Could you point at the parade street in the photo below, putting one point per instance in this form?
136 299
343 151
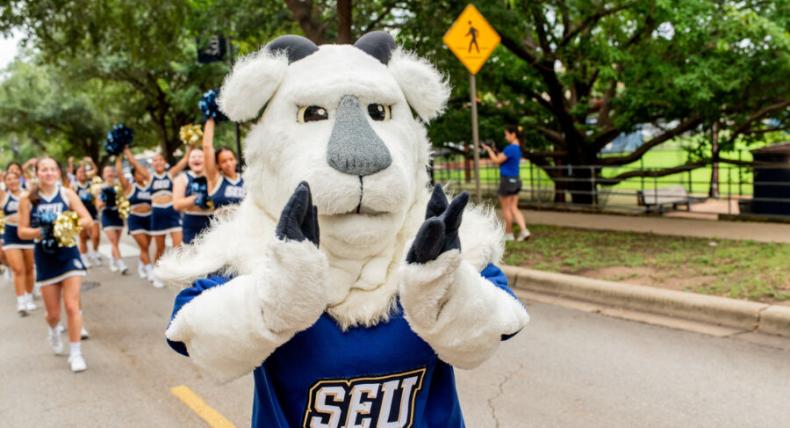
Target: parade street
567 369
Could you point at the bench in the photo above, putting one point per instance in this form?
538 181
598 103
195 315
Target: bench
658 199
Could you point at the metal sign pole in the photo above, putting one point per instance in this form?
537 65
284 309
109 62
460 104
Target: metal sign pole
475 136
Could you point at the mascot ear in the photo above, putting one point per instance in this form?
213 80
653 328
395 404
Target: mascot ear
255 78
425 88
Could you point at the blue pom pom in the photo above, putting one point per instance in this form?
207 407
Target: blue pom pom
208 106
119 137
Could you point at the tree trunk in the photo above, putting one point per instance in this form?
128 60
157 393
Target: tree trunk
344 22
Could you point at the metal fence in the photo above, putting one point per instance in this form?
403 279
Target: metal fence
743 191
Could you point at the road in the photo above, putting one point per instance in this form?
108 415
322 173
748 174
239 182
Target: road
567 369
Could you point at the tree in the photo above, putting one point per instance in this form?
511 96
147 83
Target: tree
578 73
41 112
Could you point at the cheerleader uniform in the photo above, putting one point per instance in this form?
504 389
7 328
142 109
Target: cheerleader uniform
164 218
110 218
62 262
84 192
10 237
139 223
228 192
194 222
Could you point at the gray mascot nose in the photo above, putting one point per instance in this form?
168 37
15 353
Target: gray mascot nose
354 147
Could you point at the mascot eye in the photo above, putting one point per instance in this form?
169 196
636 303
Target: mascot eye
379 112
311 114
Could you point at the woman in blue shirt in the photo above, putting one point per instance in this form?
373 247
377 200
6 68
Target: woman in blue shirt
509 162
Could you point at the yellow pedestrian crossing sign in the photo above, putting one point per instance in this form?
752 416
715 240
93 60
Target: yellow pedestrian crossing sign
471 38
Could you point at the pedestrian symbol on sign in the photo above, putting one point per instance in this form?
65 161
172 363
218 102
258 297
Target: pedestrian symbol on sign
473 32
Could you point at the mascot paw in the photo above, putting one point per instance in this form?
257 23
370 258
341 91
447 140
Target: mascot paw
299 218
439 233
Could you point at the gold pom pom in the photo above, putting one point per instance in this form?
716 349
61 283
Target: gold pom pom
2 222
191 134
122 203
96 185
67 229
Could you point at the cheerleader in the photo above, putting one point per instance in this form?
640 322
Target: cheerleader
226 184
17 169
83 188
58 268
190 197
139 221
18 252
164 218
111 222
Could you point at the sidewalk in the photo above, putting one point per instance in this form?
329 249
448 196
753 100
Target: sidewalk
762 232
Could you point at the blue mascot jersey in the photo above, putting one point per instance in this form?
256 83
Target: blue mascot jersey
381 376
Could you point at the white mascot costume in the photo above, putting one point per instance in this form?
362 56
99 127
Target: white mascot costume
364 329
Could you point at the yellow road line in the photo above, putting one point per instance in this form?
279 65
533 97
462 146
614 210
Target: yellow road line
212 417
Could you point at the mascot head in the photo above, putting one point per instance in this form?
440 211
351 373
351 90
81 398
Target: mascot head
348 119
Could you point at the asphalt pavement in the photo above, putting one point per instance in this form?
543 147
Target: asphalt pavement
566 369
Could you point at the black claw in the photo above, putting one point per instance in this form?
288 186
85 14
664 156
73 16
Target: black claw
299 218
439 233
437 204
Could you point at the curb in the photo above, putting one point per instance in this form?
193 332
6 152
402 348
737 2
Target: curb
740 314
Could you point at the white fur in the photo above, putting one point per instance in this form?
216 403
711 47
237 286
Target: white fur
251 83
455 310
426 90
230 329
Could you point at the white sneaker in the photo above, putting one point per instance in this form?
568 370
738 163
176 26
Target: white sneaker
524 235
56 343
59 329
21 307
29 305
77 363
113 266
141 270
509 237
149 273
122 267
157 283
84 335
95 258
85 261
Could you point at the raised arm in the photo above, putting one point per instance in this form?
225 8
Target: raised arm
88 161
181 202
125 185
209 163
181 164
136 164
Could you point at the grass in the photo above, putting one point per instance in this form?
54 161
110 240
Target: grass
697 181
738 269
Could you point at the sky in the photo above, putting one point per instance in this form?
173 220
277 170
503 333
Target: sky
8 49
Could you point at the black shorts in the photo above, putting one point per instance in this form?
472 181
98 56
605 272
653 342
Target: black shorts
509 186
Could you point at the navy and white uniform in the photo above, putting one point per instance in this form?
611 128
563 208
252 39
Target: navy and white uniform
139 223
228 192
164 218
87 198
194 221
10 237
110 218
64 262
383 375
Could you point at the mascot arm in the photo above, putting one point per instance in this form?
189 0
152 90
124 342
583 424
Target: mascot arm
228 329
462 314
